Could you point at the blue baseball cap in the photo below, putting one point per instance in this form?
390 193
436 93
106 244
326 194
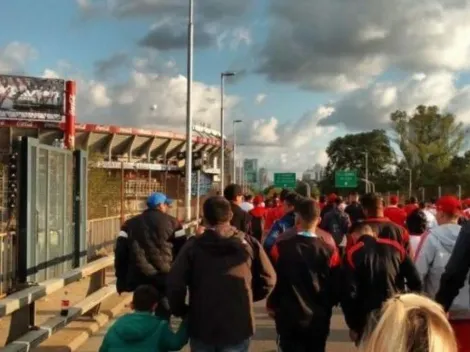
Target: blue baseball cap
155 199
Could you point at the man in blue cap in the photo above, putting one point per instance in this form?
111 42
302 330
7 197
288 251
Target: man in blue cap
145 249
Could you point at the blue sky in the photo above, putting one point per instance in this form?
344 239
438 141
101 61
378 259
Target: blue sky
302 56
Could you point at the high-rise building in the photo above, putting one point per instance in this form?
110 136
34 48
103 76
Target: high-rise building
250 169
263 178
316 173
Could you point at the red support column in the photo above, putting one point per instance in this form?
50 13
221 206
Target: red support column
70 115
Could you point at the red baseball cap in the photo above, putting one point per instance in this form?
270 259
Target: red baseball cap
258 200
449 205
332 198
394 199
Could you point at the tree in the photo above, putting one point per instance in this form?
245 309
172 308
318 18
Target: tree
349 153
428 140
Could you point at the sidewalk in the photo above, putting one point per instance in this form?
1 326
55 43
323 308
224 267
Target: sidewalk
265 337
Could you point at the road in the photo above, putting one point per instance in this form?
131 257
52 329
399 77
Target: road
265 337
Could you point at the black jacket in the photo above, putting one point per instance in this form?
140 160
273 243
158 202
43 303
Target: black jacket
373 271
336 223
241 219
355 212
144 250
326 209
386 229
307 285
225 271
457 268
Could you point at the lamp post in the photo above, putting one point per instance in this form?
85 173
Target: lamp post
410 186
189 116
234 171
222 128
366 154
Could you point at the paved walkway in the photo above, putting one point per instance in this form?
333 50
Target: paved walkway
264 340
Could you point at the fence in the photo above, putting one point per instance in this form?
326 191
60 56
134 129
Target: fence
7 262
101 236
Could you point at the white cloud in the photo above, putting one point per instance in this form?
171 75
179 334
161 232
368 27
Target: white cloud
370 107
129 102
14 56
260 98
212 17
344 45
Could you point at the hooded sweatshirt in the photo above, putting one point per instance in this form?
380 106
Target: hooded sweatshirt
225 270
431 261
142 332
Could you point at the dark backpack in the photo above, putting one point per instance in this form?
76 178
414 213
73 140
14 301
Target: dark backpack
336 223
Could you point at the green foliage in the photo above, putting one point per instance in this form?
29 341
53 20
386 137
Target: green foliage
428 140
349 153
431 145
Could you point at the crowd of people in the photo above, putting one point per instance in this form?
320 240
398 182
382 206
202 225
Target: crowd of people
399 273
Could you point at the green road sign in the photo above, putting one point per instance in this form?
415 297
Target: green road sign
285 180
346 179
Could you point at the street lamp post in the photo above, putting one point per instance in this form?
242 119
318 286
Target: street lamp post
410 186
234 171
222 128
366 154
189 117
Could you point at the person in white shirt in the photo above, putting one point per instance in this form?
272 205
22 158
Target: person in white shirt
435 252
430 217
247 204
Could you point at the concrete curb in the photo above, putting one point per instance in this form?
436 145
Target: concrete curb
79 331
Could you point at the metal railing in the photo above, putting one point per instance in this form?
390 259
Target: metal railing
101 237
141 188
102 233
7 262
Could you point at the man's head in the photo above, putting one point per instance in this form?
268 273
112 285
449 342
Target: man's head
373 205
217 211
417 222
322 199
159 201
359 229
332 198
284 194
353 197
145 299
307 213
289 202
233 193
413 200
338 201
422 205
248 198
448 210
257 201
394 199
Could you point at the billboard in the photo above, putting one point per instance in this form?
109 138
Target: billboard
31 98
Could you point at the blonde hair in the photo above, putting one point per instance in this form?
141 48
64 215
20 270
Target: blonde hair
410 323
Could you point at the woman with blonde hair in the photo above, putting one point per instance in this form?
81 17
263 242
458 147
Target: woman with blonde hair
409 323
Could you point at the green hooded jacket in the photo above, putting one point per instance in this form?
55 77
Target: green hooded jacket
143 332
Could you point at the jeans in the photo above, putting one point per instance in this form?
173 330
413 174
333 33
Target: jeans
199 346
308 340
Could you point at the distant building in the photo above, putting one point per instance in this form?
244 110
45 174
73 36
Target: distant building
250 168
316 173
263 178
